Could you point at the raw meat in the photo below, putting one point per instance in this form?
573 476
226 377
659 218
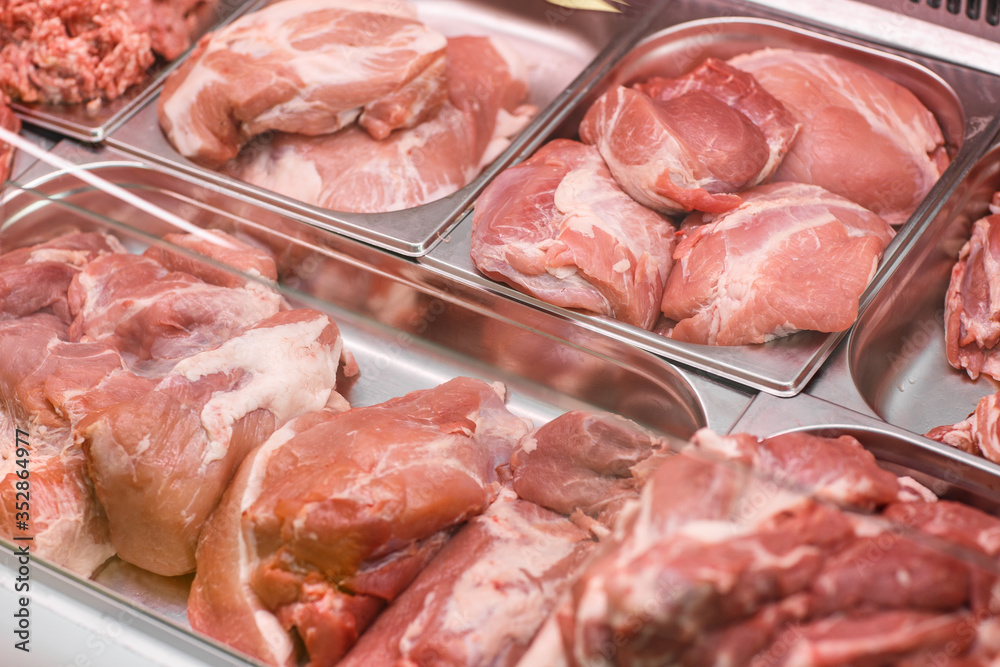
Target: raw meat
971 319
354 172
586 462
155 316
336 513
559 228
791 257
203 418
690 143
863 136
11 122
221 248
483 597
976 434
37 278
75 51
303 66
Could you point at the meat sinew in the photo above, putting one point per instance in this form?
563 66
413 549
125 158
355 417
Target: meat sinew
304 66
690 143
336 513
73 51
791 257
559 227
353 171
863 136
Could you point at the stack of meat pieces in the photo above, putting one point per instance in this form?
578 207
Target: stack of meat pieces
359 109
722 564
88 51
785 230
141 382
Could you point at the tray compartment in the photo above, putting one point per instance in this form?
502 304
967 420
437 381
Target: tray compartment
680 38
564 50
405 327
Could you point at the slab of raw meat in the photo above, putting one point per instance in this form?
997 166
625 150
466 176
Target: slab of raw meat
37 278
584 461
976 434
971 321
352 171
791 257
690 143
481 600
161 460
863 136
558 227
66 521
220 248
155 316
336 513
304 66
76 51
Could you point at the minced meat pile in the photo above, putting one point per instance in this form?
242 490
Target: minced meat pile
86 51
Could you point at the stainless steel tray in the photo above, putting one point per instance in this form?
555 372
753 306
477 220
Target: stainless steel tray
565 50
784 366
407 329
893 364
948 472
74 120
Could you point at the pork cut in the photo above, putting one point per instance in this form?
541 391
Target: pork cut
978 434
791 257
337 512
304 66
558 227
161 460
690 143
863 136
352 171
482 598
9 121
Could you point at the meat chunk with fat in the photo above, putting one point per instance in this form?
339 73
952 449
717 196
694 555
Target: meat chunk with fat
791 257
481 600
863 136
352 171
306 67
203 418
690 143
558 227
9 121
971 321
336 513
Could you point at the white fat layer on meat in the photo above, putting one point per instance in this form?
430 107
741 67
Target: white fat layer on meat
77 258
180 106
506 126
286 172
528 444
526 551
275 358
267 623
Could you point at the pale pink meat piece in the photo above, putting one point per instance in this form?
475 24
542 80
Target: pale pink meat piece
38 367
37 278
584 461
155 316
863 136
971 321
690 143
303 66
558 227
9 121
483 597
335 514
791 257
203 418
224 251
351 171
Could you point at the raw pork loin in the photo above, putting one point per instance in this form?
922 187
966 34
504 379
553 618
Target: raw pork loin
304 66
690 143
972 307
791 257
560 228
863 136
337 512
353 171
